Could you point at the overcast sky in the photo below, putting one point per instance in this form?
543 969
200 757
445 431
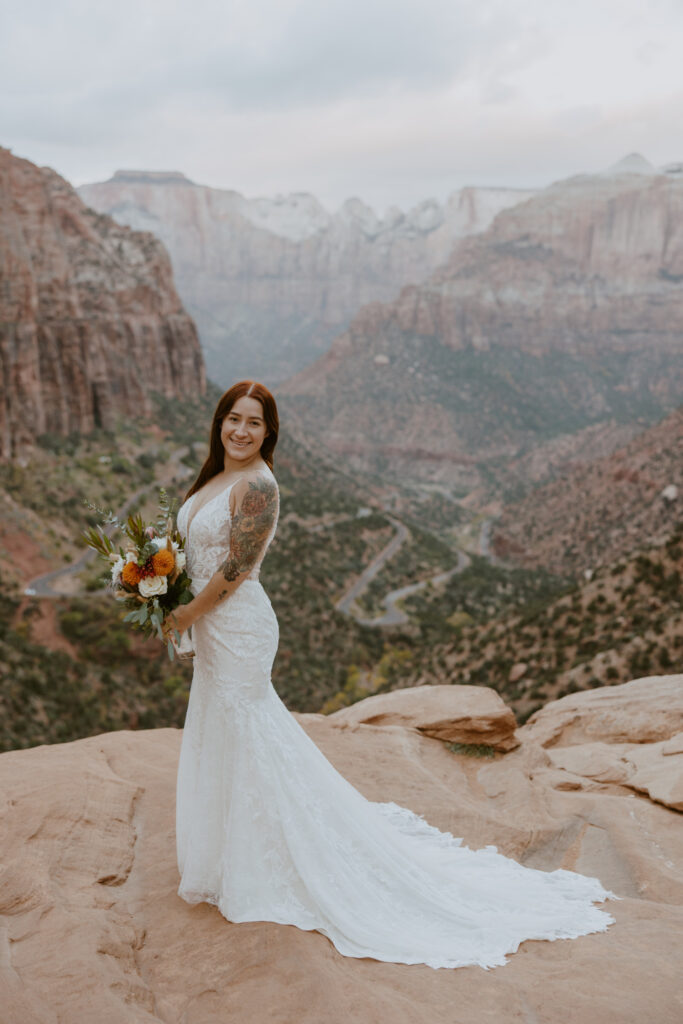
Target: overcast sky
390 100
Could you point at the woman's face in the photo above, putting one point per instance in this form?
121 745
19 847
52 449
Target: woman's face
243 429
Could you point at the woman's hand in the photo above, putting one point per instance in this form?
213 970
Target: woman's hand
181 619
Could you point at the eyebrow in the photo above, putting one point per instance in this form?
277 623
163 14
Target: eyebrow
260 418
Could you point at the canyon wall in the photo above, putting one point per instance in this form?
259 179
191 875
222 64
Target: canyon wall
271 282
90 321
566 312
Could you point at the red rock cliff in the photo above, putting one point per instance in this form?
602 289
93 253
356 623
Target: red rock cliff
90 321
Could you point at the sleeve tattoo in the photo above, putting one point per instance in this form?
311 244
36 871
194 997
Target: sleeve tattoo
251 524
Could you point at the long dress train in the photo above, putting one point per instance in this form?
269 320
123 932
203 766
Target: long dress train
268 830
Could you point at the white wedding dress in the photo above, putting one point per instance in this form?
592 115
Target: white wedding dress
268 830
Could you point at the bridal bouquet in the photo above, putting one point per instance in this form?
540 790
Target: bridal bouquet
148 574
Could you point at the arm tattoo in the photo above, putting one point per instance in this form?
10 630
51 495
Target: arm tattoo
250 527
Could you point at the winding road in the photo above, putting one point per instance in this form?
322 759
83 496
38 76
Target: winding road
393 616
484 541
344 604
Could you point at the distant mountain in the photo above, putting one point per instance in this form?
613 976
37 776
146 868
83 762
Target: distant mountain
565 313
90 321
633 163
271 281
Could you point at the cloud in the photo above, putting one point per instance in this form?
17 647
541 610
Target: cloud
270 53
392 100
323 52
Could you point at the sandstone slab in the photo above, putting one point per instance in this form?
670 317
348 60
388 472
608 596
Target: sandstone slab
658 771
92 929
642 711
459 714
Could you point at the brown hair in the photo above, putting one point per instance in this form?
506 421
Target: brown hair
215 460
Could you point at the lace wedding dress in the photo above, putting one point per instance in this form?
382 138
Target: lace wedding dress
268 830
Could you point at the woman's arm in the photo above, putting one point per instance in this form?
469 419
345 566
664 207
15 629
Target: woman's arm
256 503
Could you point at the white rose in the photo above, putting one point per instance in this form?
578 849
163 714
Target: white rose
161 543
117 569
151 586
180 560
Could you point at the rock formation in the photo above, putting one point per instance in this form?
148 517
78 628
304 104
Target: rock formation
90 321
563 314
459 714
271 281
93 929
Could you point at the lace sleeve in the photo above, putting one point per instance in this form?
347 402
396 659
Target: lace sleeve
255 515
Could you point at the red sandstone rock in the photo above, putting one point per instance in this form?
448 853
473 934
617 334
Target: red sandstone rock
90 321
647 710
93 929
459 714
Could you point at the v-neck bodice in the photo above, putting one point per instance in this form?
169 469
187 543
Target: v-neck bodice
191 502
206 532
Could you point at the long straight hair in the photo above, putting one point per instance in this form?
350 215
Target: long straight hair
215 460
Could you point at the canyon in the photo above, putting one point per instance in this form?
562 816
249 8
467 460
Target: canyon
271 281
564 314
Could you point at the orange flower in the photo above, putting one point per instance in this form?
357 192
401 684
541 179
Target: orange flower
163 562
131 574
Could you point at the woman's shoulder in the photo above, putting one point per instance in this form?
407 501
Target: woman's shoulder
259 473
260 479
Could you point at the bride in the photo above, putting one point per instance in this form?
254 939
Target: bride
266 828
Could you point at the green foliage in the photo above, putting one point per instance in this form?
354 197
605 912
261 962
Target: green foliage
146 460
472 749
479 593
98 540
569 636
58 444
98 636
187 420
47 696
